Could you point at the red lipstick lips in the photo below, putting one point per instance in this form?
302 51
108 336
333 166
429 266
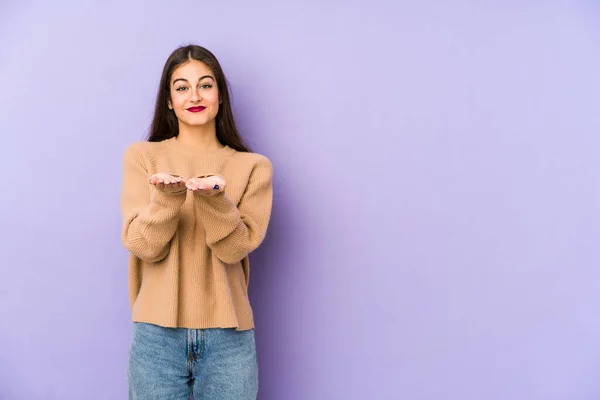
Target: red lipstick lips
196 109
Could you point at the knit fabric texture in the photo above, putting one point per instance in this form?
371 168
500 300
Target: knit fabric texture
188 263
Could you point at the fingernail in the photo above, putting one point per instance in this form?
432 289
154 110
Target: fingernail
216 187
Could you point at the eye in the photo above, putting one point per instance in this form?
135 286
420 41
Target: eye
181 88
206 86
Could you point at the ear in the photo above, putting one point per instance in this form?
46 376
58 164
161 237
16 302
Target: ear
169 104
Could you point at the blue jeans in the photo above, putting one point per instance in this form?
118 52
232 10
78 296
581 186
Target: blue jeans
173 363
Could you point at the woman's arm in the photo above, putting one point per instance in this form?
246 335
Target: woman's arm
150 216
234 232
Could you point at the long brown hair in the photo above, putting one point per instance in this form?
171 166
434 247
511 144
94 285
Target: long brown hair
164 123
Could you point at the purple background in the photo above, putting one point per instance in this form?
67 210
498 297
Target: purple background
437 213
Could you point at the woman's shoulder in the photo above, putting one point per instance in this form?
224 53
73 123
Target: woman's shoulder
252 159
143 149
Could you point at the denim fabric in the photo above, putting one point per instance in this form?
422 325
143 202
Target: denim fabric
173 363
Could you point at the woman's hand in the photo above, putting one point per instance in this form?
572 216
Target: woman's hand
168 183
208 186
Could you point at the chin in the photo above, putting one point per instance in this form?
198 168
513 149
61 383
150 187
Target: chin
198 121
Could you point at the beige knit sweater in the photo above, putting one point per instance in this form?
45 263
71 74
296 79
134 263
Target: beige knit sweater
188 265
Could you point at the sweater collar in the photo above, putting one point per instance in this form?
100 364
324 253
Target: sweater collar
177 146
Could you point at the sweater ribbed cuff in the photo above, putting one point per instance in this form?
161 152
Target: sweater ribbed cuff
168 199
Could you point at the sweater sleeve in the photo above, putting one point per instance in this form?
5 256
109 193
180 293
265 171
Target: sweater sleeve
234 232
150 217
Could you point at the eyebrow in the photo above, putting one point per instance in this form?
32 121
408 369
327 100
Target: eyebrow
185 80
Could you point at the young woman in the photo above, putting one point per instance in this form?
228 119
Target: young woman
195 202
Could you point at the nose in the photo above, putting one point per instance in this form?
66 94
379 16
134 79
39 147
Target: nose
195 96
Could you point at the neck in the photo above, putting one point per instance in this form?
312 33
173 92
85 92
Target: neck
203 136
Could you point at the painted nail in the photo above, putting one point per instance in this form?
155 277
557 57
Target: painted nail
216 187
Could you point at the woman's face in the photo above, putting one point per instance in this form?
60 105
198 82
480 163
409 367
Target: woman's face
194 94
